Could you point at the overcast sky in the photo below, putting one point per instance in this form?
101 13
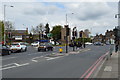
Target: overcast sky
95 16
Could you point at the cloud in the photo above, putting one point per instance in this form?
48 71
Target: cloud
96 15
88 11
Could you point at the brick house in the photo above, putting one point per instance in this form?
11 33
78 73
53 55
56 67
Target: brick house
17 35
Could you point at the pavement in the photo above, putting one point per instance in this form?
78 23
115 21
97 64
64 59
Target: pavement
109 68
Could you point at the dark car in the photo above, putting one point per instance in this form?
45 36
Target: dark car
4 50
98 44
45 47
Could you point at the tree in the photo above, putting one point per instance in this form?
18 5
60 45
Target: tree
40 29
9 26
56 31
1 31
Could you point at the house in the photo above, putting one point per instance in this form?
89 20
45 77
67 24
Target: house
17 35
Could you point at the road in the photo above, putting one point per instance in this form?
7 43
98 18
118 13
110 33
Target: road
33 64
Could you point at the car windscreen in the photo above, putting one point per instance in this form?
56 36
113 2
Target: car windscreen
4 47
42 44
14 44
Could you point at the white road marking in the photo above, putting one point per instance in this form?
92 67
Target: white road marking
108 68
16 65
23 64
52 58
7 67
34 60
36 57
8 64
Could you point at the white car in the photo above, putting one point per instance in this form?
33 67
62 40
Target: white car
88 43
18 47
35 44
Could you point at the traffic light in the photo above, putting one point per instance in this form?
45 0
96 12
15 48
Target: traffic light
9 34
73 33
76 33
68 31
80 34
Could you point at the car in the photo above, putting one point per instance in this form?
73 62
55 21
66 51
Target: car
88 43
4 50
98 44
20 46
45 47
35 44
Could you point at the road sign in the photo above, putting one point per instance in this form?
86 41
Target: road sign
49 35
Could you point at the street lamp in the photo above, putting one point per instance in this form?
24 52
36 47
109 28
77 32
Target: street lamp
117 30
66 18
4 23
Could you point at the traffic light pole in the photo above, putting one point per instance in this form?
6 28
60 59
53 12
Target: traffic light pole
119 25
66 44
66 41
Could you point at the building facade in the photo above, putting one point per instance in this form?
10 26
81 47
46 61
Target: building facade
17 35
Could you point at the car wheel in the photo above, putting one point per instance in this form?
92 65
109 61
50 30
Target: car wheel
25 49
45 49
2 54
48 49
51 49
39 50
9 52
21 50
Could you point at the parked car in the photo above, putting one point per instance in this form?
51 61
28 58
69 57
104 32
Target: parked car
98 44
18 47
45 47
4 50
35 44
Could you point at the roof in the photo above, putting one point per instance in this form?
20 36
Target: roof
18 31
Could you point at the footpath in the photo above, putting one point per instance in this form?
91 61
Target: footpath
109 68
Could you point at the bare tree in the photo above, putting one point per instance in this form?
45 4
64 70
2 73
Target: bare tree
9 26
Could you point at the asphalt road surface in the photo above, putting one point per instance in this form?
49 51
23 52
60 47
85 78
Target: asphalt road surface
34 64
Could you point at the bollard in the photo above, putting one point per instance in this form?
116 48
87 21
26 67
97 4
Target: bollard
60 49
110 53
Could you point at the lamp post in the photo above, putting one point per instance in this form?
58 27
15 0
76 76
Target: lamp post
5 23
25 33
117 30
67 32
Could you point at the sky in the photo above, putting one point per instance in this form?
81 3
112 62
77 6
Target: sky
95 16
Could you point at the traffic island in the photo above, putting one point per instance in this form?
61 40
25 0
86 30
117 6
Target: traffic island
55 55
